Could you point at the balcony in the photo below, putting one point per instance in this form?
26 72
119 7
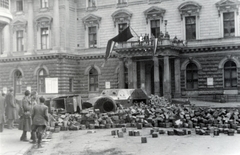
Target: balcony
5 14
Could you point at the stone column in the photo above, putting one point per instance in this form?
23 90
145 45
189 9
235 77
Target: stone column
6 40
56 25
156 76
67 21
121 81
30 33
1 40
177 71
134 68
130 73
142 75
167 79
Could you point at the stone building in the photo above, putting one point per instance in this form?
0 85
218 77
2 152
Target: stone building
57 47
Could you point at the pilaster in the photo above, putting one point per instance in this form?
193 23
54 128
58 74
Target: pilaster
167 79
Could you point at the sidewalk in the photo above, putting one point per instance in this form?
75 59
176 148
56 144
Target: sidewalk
214 104
10 143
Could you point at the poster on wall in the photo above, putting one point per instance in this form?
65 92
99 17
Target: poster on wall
5 90
210 81
107 85
51 85
29 88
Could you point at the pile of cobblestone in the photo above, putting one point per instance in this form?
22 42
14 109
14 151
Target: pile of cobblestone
159 113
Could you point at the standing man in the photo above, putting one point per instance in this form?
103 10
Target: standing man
26 117
2 111
11 110
40 120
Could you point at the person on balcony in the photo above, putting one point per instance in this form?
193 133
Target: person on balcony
11 108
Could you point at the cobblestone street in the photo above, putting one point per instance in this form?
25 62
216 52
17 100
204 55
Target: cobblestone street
103 143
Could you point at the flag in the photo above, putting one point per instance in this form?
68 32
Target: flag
121 37
155 45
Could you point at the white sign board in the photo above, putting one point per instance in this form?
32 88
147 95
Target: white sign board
5 90
107 85
210 81
29 88
51 85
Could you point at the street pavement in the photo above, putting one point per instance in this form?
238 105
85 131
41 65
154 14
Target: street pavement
10 143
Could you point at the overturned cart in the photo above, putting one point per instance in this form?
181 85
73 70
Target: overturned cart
110 99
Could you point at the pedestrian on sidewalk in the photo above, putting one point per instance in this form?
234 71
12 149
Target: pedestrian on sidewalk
11 108
2 111
26 118
40 120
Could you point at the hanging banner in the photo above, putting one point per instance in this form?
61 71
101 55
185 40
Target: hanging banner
51 85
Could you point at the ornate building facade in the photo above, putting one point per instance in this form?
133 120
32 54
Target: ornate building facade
197 52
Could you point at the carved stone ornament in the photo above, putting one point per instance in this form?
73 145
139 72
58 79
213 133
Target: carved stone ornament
91 20
19 25
189 8
43 21
154 13
121 16
227 5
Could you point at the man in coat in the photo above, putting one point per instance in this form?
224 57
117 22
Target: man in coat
40 120
26 118
2 111
11 108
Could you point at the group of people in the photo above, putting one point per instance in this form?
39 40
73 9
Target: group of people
32 114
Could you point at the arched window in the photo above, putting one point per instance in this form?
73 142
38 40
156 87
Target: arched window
18 82
93 80
42 74
192 76
230 74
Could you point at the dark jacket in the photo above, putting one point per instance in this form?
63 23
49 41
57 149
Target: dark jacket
40 114
11 110
2 109
26 118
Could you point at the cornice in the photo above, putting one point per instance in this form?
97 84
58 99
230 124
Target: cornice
52 56
212 48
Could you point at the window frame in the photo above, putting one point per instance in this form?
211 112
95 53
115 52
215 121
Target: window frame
96 80
44 37
231 68
44 4
21 39
192 80
19 6
18 82
95 45
71 84
236 33
186 26
150 27
41 80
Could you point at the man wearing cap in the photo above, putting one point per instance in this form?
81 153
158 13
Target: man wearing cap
11 110
40 120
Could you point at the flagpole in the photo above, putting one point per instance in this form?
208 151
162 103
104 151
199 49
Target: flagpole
134 31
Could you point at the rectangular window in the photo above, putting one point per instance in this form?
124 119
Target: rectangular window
190 23
44 3
70 84
92 35
44 38
228 24
121 27
122 1
155 28
19 5
19 39
91 3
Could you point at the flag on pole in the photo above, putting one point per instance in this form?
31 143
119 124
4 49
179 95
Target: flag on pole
121 37
155 45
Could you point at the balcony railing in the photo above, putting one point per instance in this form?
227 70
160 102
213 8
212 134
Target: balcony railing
4 4
150 43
